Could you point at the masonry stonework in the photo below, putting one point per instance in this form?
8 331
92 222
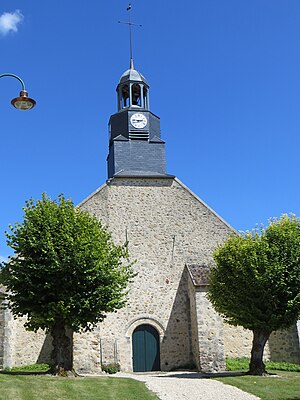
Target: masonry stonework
166 226
2 330
284 345
168 229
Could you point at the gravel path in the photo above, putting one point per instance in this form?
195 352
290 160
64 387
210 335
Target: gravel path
188 386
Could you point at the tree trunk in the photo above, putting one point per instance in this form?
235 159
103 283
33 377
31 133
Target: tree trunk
257 366
62 353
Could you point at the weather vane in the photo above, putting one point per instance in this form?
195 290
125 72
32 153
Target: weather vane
130 24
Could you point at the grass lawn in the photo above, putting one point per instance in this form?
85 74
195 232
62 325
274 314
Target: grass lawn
29 387
282 386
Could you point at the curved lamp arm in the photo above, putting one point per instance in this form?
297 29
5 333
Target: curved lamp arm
23 102
15 76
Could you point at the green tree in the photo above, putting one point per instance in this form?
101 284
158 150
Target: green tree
256 282
66 273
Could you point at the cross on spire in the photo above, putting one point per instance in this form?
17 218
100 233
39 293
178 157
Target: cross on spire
130 24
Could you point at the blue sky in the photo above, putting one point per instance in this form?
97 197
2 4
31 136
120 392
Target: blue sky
224 78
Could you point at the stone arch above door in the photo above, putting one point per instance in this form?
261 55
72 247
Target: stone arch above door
137 322
144 320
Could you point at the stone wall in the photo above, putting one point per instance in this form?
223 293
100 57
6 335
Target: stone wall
237 341
283 345
86 351
167 226
210 334
22 347
194 325
18 346
8 344
2 331
29 347
207 328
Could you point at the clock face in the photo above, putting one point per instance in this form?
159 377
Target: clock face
138 120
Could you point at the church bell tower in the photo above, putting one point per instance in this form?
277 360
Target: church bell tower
135 145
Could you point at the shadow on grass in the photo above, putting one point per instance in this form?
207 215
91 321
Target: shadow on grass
199 375
202 375
24 373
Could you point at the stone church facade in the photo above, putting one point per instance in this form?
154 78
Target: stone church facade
169 231
168 322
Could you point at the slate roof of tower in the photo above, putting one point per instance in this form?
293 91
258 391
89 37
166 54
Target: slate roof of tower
133 75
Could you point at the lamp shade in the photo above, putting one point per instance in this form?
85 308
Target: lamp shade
23 102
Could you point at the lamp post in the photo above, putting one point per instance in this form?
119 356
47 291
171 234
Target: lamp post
23 102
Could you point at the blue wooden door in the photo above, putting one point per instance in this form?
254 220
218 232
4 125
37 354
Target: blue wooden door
145 349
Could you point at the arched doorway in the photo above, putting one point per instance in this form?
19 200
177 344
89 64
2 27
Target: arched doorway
145 349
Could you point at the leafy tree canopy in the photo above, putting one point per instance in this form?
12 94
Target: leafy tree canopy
256 281
65 266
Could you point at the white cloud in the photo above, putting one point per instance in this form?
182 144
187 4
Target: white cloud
9 22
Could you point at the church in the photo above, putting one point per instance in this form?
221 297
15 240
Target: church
170 233
168 322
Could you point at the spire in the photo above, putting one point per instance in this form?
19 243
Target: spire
130 24
130 36
135 145
131 66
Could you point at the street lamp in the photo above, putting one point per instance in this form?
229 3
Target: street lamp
23 102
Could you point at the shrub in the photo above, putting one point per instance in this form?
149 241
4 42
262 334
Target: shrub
111 368
237 364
